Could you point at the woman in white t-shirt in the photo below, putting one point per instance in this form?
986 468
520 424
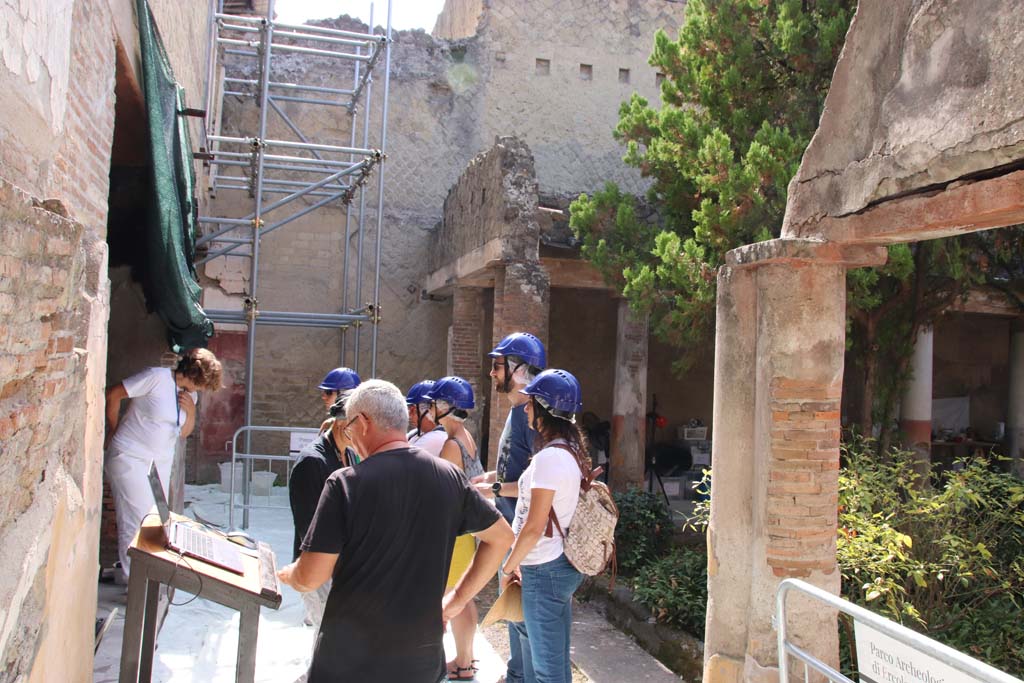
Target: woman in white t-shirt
161 410
550 485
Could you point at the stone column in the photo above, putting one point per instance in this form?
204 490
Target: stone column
629 402
779 349
1015 407
465 355
916 406
521 304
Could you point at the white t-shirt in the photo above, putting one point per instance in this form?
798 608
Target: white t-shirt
432 442
151 424
556 470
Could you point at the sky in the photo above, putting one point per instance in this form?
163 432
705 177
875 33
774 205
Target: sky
405 14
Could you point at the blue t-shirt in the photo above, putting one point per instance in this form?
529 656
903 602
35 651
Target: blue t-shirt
515 445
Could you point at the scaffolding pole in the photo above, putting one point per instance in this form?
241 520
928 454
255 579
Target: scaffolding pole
303 174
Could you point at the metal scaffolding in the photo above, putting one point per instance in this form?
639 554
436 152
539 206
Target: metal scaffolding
293 177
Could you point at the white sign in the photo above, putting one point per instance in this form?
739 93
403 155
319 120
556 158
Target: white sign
299 440
881 659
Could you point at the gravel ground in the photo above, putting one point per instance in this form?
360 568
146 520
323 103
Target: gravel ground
497 634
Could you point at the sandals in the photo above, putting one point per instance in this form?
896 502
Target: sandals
460 672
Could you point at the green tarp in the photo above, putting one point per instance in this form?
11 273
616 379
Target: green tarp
169 278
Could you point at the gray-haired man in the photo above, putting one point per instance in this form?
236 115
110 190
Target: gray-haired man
385 519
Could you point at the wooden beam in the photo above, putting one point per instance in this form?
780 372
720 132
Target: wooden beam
969 206
574 273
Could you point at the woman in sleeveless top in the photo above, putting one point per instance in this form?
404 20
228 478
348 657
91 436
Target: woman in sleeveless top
451 398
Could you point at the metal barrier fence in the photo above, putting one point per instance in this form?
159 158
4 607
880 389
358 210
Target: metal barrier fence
248 461
893 653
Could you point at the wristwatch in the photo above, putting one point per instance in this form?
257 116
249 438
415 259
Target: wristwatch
496 488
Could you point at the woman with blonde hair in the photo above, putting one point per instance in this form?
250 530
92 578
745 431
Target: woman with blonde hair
161 410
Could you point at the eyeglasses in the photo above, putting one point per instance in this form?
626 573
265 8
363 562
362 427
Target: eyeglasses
328 392
499 364
349 424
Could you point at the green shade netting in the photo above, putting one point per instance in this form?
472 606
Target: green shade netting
169 279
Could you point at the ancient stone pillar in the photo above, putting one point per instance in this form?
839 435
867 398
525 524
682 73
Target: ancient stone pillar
629 402
521 304
1015 407
916 406
779 349
465 352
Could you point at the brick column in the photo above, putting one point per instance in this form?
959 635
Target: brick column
629 402
775 459
521 304
465 352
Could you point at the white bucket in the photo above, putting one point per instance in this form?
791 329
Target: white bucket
262 482
225 477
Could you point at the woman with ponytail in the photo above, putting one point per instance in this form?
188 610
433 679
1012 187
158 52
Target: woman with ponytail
548 488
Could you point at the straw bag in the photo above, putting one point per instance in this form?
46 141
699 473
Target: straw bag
589 542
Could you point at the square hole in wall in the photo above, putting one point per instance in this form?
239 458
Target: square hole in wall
586 72
542 67
623 75
659 78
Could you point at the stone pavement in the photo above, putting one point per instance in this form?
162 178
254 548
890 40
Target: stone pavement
607 655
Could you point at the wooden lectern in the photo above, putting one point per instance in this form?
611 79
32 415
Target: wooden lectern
153 565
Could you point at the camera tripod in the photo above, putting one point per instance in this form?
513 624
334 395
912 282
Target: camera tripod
651 457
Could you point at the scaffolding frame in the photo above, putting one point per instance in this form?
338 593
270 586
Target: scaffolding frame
301 175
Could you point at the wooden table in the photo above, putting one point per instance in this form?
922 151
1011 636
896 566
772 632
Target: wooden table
152 565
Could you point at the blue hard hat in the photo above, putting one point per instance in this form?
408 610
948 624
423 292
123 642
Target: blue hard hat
418 392
340 379
525 346
453 390
557 390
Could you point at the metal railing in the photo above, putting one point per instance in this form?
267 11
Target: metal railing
962 666
248 461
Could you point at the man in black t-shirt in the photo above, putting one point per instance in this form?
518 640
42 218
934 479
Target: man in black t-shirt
384 530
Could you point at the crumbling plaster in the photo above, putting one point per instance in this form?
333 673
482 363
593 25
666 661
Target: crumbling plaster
449 99
924 93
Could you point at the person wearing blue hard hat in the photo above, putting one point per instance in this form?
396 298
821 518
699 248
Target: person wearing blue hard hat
337 382
549 487
451 399
423 432
515 361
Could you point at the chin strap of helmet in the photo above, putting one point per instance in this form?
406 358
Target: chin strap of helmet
419 419
437 420
506 386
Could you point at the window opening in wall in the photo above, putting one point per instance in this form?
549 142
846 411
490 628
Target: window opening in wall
659 78
543 67
623 75
483 196
586 72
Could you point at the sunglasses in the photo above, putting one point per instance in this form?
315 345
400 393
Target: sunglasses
328 392
499 365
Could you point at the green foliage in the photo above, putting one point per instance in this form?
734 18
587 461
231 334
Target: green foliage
744 84
946 560
675 589
644 530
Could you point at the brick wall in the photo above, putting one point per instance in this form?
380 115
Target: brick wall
466 352
803 477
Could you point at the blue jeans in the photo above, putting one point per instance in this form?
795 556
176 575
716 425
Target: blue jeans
514 668
547 613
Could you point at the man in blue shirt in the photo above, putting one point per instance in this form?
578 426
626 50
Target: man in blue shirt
515 361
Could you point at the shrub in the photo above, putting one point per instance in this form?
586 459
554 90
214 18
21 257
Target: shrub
944 558
644 530
675 589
